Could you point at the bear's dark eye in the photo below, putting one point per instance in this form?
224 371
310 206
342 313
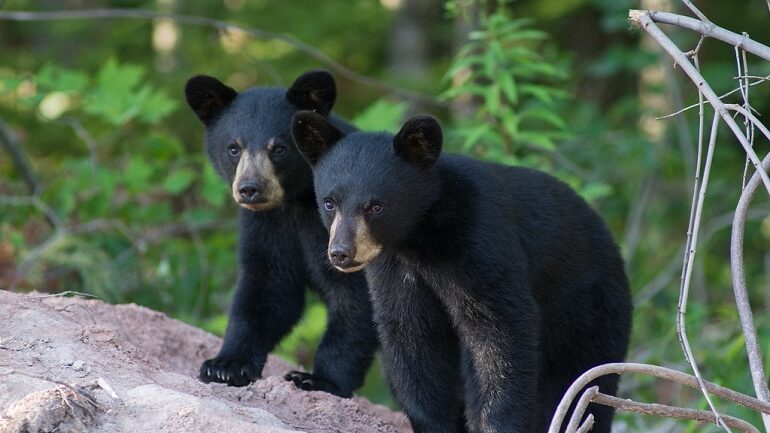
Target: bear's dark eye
375 208
279 150
328 204
233 150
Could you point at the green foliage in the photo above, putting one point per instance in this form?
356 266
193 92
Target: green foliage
144 218
501 69
517 96
382 115
128 183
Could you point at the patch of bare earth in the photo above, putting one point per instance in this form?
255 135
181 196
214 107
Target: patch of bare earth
75 365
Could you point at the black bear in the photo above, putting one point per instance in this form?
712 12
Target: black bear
493 287
282 242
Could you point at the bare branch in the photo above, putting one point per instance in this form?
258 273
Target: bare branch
760 80
743 86
672 411
753 119
651 370
85 136
739 278
587 424
709 29
79 392
224 26
689 258
696 11
64 294
580 409
20 161
35 202
643 19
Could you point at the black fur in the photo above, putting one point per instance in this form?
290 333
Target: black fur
496 286
208 97
282 251
313 90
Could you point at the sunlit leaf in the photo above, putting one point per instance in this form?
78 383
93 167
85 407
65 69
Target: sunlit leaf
179 180
381 116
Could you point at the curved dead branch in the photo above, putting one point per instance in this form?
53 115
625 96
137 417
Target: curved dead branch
739 285
651 370
672 411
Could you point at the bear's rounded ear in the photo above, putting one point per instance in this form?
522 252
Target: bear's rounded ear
313 134
419 141
208 97
313 90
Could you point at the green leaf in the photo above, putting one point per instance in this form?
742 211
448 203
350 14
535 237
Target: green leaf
595 190
462 64
136 175
492 99
511 123
120 78
508 86
213 189
52 78
537 140
543 93
161 147
200 215
473 135
119 97
527 35
548 116
381 116
178 181
490 64
465 89
156 106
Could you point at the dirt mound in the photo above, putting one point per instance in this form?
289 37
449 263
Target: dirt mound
73 365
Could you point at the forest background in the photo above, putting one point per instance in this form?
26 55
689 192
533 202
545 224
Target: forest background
105 189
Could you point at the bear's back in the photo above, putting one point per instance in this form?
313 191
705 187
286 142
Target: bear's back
521 207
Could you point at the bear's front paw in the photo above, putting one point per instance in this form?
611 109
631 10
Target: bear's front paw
310 382
230 370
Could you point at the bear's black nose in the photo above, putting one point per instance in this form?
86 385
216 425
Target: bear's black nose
249 191
341 255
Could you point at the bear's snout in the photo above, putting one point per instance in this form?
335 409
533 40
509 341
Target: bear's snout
250 192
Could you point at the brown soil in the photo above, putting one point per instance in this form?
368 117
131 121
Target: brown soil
74 365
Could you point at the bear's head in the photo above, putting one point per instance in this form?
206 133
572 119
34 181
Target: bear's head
247 135
373 189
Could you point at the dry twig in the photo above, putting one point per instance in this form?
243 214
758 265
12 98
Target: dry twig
739 279
580 409
79 392
20 161
672 411
709 29
651 370
689 259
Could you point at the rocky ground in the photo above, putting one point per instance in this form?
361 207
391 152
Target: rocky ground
76 365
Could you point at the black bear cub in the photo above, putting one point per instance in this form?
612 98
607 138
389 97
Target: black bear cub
493 287
282 242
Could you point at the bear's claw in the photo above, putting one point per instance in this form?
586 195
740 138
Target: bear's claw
231 371
311 382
